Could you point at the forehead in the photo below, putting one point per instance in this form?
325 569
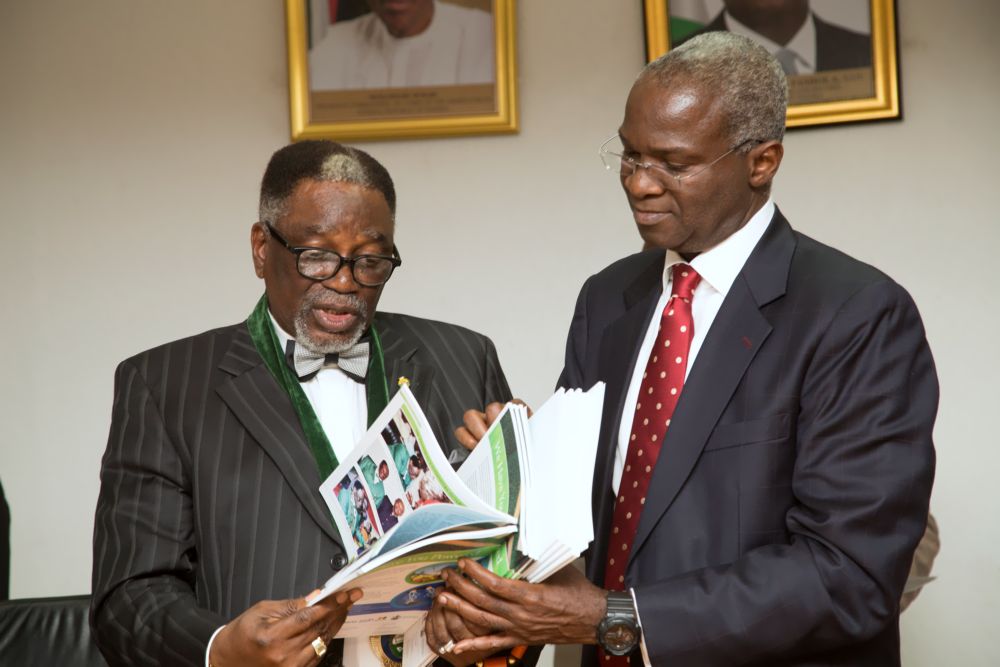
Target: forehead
681 115
332 207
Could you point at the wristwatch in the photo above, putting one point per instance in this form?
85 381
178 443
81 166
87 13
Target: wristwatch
618 633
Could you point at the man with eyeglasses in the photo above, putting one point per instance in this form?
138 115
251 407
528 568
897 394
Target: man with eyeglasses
766 457
210 526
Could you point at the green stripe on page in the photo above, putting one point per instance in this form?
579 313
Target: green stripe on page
500 563
501 487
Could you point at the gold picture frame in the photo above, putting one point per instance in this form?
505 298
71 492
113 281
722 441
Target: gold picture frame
880 100
402 112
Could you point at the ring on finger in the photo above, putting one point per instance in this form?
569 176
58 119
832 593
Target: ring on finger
446 648
319 646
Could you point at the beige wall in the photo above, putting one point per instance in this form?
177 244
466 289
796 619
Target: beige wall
134 133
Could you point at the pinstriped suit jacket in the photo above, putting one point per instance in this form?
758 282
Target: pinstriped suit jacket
209 495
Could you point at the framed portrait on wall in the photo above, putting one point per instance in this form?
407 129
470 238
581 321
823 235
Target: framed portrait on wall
390 69
840 55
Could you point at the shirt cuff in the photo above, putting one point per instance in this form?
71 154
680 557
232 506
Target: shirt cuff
208 649
642 635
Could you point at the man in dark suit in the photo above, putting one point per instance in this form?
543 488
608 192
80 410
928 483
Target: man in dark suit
765 461
803 42
210 525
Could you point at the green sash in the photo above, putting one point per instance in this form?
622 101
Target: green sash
376 386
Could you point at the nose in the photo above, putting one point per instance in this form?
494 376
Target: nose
342 281
642 182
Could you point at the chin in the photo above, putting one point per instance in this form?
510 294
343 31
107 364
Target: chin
668 239
325 341
654 238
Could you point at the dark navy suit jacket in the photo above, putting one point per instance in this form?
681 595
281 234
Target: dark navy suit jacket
794 481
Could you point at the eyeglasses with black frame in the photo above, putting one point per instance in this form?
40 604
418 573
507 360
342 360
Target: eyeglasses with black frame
322 264
625 166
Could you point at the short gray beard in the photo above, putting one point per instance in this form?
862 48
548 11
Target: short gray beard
331 342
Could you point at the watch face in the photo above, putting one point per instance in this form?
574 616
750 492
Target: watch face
619 637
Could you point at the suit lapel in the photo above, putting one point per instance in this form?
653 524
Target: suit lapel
736 335
399 352
264 409
619 351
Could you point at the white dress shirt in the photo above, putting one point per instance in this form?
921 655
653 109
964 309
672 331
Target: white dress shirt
341 405
718 268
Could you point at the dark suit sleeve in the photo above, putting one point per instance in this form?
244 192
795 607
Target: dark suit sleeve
840 48
861 481
496 389
572 376
143 609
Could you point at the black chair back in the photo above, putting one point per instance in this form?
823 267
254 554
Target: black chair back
47 631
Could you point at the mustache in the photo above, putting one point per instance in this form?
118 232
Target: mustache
350 303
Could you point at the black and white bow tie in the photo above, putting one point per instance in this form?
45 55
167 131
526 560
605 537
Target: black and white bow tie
306 363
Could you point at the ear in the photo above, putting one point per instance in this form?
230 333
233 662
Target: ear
258 247
765 159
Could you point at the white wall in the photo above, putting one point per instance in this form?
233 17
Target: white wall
133 137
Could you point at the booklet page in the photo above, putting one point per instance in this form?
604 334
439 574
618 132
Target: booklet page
397 468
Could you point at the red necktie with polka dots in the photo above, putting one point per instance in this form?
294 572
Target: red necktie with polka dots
661 386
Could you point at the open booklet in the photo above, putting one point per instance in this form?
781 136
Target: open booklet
519 504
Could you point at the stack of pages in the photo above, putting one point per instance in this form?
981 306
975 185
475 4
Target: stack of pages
520 504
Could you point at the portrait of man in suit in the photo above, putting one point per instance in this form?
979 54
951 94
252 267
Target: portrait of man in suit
210 528
765 460
404 43
802 41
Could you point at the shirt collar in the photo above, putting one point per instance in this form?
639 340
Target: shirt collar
719 266
283 336
803 44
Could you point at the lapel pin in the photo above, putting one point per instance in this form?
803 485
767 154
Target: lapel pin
402 380
747 343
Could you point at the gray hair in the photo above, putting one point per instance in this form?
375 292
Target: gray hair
322 161
748 81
